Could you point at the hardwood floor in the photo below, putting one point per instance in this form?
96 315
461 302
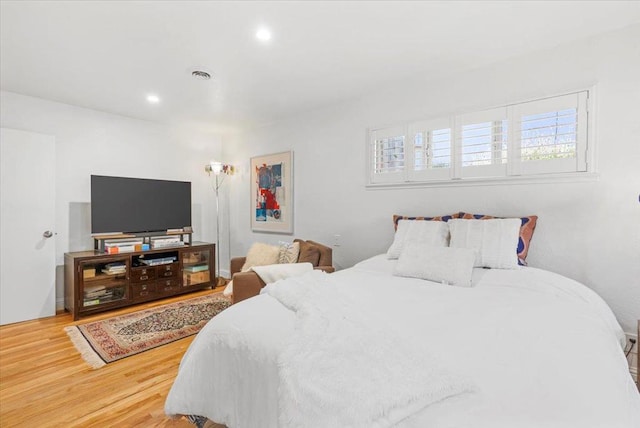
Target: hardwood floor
45 383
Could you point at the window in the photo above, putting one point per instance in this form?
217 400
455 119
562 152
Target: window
388 155
546 136
482 143
551 135
431 154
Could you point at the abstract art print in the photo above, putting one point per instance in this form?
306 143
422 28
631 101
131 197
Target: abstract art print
272 193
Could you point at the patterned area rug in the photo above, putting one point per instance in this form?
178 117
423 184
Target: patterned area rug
112 339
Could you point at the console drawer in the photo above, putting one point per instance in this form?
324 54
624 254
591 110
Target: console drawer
143 290
143 274
167 271
168 286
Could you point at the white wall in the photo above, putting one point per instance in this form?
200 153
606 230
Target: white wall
92 142
589 231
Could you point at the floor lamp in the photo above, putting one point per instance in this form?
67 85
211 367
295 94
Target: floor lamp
220 171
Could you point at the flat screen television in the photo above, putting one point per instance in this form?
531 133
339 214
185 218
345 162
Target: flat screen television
138 205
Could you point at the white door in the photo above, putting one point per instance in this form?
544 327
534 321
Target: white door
27 258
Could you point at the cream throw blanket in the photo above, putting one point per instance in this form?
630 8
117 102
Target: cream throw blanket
273 273
344 367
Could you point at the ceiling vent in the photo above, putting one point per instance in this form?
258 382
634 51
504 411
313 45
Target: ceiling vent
201 75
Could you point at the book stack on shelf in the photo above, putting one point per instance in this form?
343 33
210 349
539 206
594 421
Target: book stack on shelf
104 291
117 246
166 242
94 295
115 268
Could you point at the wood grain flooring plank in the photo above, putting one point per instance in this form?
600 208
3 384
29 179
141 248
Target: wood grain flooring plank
45 383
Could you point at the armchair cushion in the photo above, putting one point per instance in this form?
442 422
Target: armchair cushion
309 253
326 254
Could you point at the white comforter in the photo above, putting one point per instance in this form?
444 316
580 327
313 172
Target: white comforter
542 351
340 348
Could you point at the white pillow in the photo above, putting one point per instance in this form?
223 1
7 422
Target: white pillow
261 255
495 240
426 232
440 264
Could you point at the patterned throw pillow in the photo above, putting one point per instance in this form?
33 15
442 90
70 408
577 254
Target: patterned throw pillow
397 218
289 252
526 232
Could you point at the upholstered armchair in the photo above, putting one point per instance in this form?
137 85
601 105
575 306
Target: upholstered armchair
249 284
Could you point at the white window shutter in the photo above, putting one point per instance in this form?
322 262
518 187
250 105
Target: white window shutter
551 135
430 145
482 143
387 155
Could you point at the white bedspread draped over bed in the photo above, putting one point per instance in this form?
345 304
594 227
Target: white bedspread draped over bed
539 350
340 350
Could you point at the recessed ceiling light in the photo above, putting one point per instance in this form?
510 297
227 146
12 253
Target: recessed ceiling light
263 34
153 99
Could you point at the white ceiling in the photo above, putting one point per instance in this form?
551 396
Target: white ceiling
109 55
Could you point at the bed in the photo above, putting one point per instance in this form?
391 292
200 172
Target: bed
519 347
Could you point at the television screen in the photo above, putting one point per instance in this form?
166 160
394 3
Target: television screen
135 205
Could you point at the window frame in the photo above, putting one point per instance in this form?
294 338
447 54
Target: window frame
578 168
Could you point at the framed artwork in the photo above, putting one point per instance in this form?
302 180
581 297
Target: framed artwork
272 193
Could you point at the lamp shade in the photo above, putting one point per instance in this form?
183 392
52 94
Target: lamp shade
218 168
